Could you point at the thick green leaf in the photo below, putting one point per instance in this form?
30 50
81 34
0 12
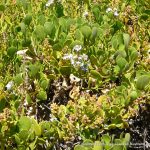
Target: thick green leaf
24 123
121 47
42 95
57 47
134 54
28 19
126 38
118 147
44 84
127 138
115 111
114 43
59 10
11 51
94 60
88 143
28 98
65 70
111 126
41 19
106 138
94 33
39 32
18 79
121 62
86 31
34 69
98 145
121 53
142 82
17 139
78 35
26 42
133 95
36 127
2 7
120 39
68 40
23 27
23 134
96 12
7 19
144 17
63 24
80 147
49 27
96 75
33 144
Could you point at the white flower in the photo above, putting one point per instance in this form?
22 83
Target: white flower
80 58
85 57
68 56
78 63
9 85
77 48
82 64
116 13
30 110
85 14
108 10
49 3
72 62
84 67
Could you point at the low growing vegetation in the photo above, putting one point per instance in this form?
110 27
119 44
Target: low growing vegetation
71 71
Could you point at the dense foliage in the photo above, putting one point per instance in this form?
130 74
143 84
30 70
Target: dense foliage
71 69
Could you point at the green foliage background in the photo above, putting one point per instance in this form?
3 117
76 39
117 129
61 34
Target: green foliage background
34 38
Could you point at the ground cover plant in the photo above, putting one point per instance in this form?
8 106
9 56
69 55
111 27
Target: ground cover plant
73 72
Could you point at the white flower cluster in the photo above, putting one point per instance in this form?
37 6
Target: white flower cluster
85 14
77 60
77 48
108 10
68 57
115 11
